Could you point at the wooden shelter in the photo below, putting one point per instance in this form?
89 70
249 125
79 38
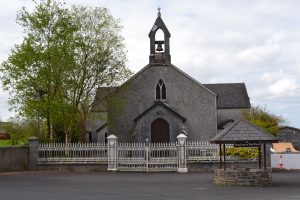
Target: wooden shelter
243 134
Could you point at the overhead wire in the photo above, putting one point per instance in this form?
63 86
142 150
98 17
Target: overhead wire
278 94
278 98
287 102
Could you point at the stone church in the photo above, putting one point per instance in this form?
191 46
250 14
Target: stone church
161 101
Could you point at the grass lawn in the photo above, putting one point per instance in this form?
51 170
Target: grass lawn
5 143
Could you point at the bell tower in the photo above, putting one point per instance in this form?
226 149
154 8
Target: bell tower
159 47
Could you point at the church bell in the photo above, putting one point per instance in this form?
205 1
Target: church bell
159 47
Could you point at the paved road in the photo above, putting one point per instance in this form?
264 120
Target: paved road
158 186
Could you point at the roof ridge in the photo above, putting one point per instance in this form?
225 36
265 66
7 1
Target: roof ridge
223 83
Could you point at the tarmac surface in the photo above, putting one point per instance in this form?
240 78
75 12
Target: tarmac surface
138 186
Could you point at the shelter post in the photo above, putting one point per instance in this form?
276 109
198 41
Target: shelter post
259 156
224 156
265 157
220 156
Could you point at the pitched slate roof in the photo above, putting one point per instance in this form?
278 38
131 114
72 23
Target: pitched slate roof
164 105
242 131
289 127
101 127
230 95
101 93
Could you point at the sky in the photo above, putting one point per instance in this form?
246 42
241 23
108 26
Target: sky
214 41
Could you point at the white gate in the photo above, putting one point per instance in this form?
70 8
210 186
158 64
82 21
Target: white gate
147 157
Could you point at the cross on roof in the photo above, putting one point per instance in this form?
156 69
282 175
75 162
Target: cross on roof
158 12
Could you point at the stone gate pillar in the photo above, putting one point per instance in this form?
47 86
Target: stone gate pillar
112 152
33 152
181 152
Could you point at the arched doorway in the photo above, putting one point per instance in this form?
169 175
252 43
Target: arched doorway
160 131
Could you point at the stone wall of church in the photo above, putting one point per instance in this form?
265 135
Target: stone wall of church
184 95
227 114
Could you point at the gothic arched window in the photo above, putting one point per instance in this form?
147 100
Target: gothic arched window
161 91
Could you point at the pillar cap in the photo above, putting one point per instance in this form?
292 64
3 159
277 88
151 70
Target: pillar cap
181 136
33 138
112 137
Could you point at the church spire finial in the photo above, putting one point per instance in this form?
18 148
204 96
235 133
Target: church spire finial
158 12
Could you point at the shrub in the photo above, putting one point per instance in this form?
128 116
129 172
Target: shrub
242 152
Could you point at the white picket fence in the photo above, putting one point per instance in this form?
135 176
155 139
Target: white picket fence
127 152
76 153
130 156
198 151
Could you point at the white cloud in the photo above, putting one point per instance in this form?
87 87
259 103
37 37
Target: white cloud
282 85
258 53
272 76
277 82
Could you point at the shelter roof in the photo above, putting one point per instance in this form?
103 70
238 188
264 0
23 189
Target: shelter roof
241 132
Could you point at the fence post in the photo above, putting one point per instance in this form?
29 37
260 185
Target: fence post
33 153
181 152
112 153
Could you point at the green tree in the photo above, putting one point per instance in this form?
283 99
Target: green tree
41 62
100 58
65 55
262 118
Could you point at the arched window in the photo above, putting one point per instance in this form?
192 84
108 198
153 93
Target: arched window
161 91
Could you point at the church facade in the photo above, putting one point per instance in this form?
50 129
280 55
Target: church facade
161 101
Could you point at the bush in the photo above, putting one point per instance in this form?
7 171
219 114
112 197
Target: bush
242 152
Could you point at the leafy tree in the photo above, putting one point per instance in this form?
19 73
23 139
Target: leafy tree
262 118
100 58
65 55
40 64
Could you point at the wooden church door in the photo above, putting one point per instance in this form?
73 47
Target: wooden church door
160 131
